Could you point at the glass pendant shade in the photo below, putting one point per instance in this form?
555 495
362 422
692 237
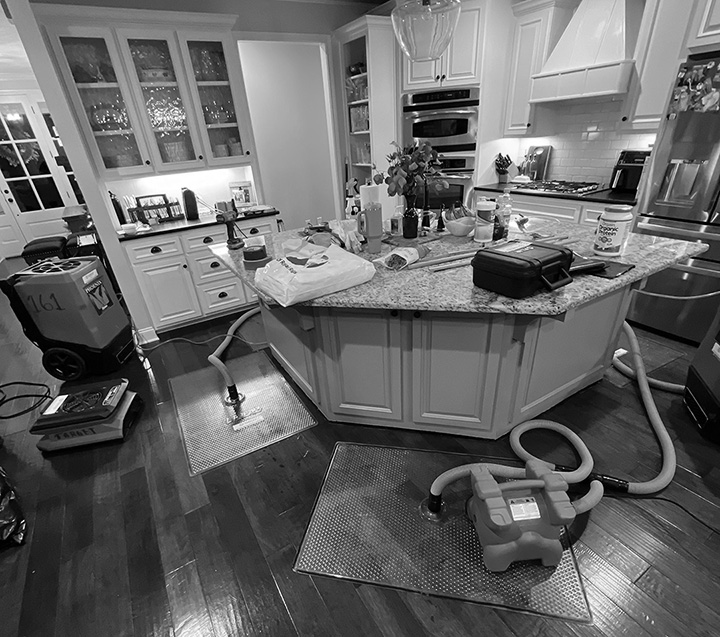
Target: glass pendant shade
424 28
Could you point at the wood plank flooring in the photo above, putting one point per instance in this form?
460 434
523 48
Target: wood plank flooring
123 541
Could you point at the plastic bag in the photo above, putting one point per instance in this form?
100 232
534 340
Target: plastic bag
308 271
400 258
12 520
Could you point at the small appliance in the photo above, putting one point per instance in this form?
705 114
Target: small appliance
69 310
628 170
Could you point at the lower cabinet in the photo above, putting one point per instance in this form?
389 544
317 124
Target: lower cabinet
182 280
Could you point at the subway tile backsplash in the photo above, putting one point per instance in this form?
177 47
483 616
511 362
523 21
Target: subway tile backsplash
588 140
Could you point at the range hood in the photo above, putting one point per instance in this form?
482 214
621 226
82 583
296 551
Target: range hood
594 56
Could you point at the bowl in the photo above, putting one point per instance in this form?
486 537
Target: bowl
460 227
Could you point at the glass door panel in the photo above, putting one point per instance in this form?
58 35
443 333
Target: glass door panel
216 101
162 99
105 107
61 157
23 165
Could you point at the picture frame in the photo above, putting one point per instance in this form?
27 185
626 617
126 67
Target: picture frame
243 194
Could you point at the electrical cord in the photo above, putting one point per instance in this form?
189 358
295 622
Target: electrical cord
187 340
5 399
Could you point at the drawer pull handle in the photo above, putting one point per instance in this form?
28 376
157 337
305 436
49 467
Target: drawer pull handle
254 231
222 295
208 240
394 312
156 250
214 264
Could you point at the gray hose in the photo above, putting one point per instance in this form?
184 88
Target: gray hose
214 358
628 371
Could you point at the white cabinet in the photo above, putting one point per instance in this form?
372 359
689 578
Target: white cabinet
365 50
547 207
659 51
363 363
168 290
538 25
459 65
150 100
182 280
704 34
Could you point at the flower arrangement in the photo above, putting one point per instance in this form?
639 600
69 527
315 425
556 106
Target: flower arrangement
410 169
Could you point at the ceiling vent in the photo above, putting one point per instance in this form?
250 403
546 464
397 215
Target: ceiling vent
594 56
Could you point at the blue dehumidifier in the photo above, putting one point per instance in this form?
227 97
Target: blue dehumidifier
68 308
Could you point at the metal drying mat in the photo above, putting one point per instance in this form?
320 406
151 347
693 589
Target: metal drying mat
212 432
367 526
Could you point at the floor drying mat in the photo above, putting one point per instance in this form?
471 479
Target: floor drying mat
367 526
211 431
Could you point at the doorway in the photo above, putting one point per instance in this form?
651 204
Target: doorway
288 91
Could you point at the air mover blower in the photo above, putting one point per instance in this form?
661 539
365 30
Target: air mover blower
68 309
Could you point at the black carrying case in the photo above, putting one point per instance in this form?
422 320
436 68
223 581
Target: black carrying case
520 268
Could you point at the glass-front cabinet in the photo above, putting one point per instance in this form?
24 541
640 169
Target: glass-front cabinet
158 84
94 67
209 77
155 100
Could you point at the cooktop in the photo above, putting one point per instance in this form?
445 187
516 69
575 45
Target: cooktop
568 187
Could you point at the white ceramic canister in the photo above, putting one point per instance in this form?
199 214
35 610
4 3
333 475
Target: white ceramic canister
613 230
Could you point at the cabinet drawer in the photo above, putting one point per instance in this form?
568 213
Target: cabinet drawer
261 226
206 267
155 248
200 239
216 296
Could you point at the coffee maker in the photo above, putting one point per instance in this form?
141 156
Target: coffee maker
628 170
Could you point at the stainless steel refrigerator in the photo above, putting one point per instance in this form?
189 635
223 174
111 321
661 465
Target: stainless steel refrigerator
680 199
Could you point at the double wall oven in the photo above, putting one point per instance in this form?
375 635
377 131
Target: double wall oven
448 120
681 199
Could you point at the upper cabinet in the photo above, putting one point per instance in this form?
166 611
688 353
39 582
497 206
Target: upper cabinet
459 65
365 51
538 25
152 100
659 51
704 32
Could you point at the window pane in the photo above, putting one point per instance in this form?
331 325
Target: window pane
208 61
3 133
24 195
48 192
89 60
16 121
76 189
10 164
33 158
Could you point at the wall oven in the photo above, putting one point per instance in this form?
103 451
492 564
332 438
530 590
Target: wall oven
448 120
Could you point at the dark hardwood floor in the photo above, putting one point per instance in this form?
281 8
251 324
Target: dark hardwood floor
123 541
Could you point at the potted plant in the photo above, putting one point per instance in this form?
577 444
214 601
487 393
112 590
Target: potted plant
410 169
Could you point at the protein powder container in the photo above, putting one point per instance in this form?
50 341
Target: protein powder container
613 230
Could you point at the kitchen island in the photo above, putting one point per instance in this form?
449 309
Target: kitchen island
429 350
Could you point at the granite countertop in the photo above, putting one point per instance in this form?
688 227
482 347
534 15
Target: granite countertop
453 290
605 196
185 224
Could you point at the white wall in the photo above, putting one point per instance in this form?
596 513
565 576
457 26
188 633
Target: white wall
288 101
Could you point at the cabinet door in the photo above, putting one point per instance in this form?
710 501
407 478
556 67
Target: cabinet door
364 359
90 65
461 61
157 78
220 107
419 75
660 49
530 33
168 291
705 30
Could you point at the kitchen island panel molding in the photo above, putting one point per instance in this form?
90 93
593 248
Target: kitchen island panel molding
704 32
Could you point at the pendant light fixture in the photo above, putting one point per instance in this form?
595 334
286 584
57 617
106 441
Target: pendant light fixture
424 28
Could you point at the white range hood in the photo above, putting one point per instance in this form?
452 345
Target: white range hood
594 56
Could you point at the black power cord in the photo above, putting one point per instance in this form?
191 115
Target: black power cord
5 399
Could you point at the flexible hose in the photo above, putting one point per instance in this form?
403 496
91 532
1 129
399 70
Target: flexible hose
214 358
628 371
595 493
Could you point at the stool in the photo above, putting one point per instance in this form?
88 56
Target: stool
44 248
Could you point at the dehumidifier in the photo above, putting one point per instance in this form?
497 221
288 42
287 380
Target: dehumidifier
67 307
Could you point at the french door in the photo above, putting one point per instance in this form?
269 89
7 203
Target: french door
34 188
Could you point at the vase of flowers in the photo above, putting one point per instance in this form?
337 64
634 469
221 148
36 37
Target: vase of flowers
412 170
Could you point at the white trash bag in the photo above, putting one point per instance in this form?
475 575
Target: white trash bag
308 271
